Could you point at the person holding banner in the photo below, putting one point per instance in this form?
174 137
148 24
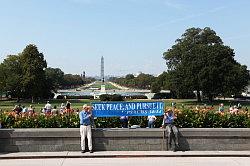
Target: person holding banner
124 121
90 109
168 122
85 128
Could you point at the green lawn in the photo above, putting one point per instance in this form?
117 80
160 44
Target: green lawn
193 103
38 105
108 86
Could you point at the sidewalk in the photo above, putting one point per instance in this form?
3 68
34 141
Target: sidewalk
122 154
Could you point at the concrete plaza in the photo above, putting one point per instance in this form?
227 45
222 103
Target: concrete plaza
125 158
159 161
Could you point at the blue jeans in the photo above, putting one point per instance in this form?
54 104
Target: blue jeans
151 124
124 123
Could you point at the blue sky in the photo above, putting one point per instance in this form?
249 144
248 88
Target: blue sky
130 34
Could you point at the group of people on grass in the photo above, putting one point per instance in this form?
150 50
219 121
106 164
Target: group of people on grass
65 108
18 109
47 109
232 109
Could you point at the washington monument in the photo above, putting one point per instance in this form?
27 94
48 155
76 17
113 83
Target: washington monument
102 69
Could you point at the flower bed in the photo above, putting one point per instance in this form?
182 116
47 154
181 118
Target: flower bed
186 118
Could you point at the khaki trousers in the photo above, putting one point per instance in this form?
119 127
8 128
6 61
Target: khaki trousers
172 129
85 131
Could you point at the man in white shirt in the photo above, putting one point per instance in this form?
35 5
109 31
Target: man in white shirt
151 121
85 127
48 107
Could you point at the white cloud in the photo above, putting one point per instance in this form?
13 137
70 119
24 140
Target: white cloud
189 17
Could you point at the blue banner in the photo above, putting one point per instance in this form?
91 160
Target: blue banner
111 109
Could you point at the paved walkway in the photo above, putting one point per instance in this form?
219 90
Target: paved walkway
122 154
150 161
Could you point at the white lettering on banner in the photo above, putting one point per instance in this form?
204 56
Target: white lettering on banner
109 106
133 106
98 106
128 108
154 105
115 107
129 112
138 105
103 108
120 107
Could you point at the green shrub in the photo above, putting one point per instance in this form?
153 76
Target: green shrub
138 97
74 97
107 97
185 119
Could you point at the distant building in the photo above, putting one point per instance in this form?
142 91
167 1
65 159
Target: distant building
137 74
83 75
247 92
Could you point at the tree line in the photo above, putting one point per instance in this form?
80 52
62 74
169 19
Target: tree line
142 81
26 75
197 62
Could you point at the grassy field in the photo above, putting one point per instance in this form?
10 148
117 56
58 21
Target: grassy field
108 86
180 103
38 105
215 103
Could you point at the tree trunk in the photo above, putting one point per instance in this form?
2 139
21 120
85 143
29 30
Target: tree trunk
198 96
210 98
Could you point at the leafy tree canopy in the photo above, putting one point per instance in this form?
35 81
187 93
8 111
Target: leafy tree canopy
142 81
26 76
33 70
55 77
199 61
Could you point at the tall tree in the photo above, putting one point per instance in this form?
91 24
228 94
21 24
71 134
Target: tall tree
71 81
54 76
129 76
142 81
2 81
200 62
11 76
25 75
33 68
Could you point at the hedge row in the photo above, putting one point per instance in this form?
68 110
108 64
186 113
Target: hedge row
186 119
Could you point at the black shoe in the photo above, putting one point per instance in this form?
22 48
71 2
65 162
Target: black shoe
169 146
91 151
83 151
174 149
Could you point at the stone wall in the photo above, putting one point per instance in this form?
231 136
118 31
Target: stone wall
65 139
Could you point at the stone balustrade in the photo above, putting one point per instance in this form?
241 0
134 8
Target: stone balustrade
121 139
